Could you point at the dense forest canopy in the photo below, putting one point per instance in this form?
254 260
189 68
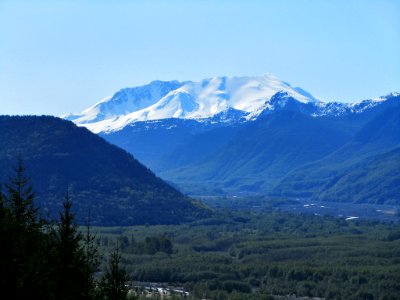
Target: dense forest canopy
102 178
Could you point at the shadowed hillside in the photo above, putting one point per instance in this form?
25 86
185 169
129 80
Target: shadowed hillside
102 178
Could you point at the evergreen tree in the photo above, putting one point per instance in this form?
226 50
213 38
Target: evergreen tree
4 242
112 284
37 259
2 207
70 266
23 266
20 199
92 261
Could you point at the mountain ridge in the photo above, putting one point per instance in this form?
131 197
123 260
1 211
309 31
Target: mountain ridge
377 143
103 179
253 156
204 100
187 100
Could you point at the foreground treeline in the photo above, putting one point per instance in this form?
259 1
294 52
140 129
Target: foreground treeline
42 259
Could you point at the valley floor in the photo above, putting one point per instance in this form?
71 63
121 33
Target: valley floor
344 210
262 254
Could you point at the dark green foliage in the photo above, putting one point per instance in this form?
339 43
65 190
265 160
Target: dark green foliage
20 199
112 284
270 254
91 261
150 245
4 239
366 169
69 252
261 152
23 267
376 179
41 260
103 179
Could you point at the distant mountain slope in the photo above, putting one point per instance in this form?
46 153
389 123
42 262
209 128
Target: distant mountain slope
374 179
161 144
259 153
366 169
104 179
210 156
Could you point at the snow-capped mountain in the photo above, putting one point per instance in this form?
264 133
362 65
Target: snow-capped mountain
246 134
240 152
210 101
283 100
187 100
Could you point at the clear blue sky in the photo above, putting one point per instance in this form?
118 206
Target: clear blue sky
63 56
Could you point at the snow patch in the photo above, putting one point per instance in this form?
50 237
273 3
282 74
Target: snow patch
187 100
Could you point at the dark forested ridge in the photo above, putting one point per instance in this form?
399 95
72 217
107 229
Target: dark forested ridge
102 178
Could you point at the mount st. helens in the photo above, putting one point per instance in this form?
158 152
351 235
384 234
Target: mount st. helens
253 135
187 100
